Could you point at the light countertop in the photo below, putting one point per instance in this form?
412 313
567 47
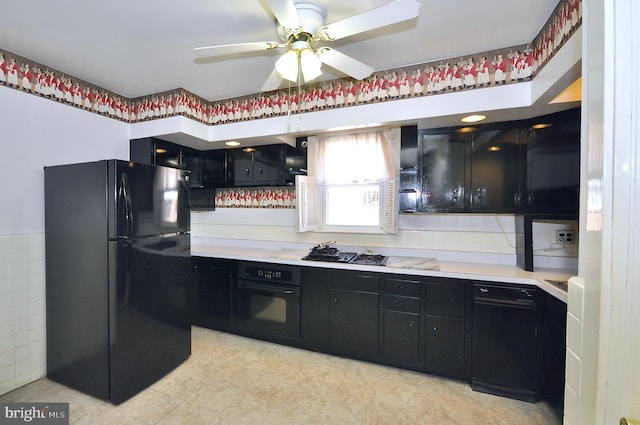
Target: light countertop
408 265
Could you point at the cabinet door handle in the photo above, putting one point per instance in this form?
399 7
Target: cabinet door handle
260 170
246 171
530 199
484 290
412 324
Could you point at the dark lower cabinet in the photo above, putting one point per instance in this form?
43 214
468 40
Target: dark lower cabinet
340 312
401 338
354 300
401 324
447 346
213 289
353 323
314 301
554 333
485 333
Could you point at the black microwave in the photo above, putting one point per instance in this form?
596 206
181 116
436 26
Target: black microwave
202 199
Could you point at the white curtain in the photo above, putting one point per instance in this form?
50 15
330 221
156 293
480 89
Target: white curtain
353 158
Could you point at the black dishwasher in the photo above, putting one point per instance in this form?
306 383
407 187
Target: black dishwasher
505 347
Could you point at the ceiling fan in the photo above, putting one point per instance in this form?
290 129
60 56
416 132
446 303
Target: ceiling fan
301 25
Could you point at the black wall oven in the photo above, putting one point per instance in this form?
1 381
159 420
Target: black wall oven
269 299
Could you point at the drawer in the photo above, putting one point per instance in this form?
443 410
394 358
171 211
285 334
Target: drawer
400 286
404 304
355 281
446 300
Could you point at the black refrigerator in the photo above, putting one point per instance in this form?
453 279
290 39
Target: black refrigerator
117 276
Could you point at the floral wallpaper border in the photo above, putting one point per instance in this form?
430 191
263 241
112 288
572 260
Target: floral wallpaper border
256 197
504 66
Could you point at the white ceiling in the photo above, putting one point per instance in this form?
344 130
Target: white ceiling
141 47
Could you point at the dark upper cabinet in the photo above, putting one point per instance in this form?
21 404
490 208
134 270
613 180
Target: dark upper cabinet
154 151
530 167
264 165
269 165
442 166
496 158
256 166
214 168
553 164
469 169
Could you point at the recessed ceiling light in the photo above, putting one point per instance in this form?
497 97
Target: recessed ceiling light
232 143
494 148
161 150
473 118
541 126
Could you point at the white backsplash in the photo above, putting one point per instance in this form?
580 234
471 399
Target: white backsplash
454 237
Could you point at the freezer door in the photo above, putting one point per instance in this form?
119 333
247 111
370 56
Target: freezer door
150 332
147 200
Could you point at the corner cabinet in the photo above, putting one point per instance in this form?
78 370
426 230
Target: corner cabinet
554 334
154 151
553 164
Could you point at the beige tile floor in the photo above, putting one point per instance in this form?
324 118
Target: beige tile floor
234 380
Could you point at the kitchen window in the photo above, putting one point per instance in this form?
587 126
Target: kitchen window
351 183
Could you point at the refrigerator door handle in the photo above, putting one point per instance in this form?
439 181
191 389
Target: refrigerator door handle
125 197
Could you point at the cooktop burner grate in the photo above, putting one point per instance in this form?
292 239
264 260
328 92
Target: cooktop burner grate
331 254
370 259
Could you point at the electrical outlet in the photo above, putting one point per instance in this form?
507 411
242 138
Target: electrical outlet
565 236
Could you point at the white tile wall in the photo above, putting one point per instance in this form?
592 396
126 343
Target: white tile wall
444 232
454 234
22 310
574 337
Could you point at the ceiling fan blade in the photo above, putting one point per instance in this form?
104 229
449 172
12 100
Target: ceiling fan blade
344 63
273 81
230 49
286 13
394 12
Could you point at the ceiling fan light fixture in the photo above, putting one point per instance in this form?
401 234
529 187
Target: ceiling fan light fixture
310 64
287 65
311 17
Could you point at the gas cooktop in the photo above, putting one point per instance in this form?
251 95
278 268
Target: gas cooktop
326 252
